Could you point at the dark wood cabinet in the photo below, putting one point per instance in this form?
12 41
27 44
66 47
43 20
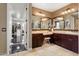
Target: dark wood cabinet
57 39
66 40
37 40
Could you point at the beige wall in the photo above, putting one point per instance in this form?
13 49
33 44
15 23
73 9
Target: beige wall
58 12
34 10
55 13
3 24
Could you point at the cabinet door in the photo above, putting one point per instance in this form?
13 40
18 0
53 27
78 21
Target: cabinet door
37 40
70 42
3 23
75 43
67 42
58 39
34 41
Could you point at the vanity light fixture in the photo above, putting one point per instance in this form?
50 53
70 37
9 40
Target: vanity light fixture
62 13
72 9
67 11
44 19
40 14
60 18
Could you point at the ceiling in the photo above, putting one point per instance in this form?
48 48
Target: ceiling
51 7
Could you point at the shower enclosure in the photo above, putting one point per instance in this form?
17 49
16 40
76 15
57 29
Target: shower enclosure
15 28
18 36
18 27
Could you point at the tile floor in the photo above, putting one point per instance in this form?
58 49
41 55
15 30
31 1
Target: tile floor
47 50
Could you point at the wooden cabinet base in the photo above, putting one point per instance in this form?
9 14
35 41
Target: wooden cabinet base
67 41
37 40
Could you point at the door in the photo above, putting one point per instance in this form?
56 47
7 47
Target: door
3 20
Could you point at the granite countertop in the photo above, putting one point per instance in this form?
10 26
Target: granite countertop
67 32
42 32
51 32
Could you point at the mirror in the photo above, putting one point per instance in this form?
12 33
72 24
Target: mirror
58 23
45 23
76 20
38 22
67 22
71 21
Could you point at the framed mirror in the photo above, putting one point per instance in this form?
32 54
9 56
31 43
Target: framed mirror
45 23
68 22
71 21
58 23
36 22
40 23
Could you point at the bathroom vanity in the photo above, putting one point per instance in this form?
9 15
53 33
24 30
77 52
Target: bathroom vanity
38 38
66 40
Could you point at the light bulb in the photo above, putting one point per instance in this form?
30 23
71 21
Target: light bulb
69 11
65 12
62 13
72 9
44 19
40 14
